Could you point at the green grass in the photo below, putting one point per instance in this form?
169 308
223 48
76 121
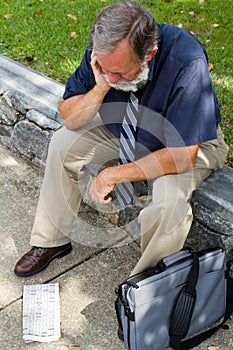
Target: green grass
38 34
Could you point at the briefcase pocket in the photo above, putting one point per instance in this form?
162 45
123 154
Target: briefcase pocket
211 301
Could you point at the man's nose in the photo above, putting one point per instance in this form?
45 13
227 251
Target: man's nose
113 78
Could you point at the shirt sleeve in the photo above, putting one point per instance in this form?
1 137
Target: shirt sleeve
191 114
82 80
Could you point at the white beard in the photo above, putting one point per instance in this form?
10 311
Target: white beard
131 85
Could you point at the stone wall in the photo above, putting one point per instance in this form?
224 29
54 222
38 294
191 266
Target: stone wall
29 117
28 110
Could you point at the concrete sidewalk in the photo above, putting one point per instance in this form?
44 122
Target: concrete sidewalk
87 277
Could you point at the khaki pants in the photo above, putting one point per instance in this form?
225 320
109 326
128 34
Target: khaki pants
164 223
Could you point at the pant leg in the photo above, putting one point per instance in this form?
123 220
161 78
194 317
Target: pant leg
61 193
165 223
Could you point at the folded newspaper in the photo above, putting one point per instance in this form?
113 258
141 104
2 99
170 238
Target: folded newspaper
41 312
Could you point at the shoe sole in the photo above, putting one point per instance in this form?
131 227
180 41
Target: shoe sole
58 256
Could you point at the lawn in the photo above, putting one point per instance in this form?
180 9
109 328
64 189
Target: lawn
51 35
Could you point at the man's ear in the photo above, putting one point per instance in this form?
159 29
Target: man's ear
151 53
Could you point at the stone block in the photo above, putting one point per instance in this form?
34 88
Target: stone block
5 135
41 120
213 202
19 101
8 115
213 212
29 140
5 131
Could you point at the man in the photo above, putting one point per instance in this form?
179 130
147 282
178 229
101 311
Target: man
178 142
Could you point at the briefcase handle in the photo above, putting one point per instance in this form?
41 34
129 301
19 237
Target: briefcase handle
160 267
175 258
183 310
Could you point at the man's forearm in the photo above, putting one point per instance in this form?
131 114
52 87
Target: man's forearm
163 162
168 161
78 110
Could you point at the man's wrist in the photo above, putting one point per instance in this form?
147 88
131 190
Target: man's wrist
100 91
123 173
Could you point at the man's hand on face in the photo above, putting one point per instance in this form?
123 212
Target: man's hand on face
99 79
101 187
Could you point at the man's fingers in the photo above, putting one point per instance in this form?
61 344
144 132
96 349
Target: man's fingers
97 197
108 200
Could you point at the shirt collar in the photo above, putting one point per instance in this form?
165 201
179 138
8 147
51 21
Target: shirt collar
151 69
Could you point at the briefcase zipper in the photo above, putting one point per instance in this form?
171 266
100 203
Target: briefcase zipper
128 313
128 334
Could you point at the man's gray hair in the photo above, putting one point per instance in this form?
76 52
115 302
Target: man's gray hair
124 20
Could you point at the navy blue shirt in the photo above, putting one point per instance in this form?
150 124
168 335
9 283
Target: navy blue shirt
179 88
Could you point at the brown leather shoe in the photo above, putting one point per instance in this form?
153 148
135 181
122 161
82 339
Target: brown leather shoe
37 259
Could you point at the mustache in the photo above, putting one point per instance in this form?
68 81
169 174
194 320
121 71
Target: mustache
131 85
122 84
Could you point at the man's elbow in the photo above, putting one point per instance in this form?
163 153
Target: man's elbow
61 108
63 113
192 150
70 123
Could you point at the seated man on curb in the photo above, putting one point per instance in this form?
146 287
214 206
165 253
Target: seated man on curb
172 137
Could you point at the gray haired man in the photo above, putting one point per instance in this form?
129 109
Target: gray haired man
166 69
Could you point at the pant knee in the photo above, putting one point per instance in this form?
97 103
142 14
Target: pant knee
166 213
56 144
61 144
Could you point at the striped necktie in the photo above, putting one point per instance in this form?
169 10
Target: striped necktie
124 190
